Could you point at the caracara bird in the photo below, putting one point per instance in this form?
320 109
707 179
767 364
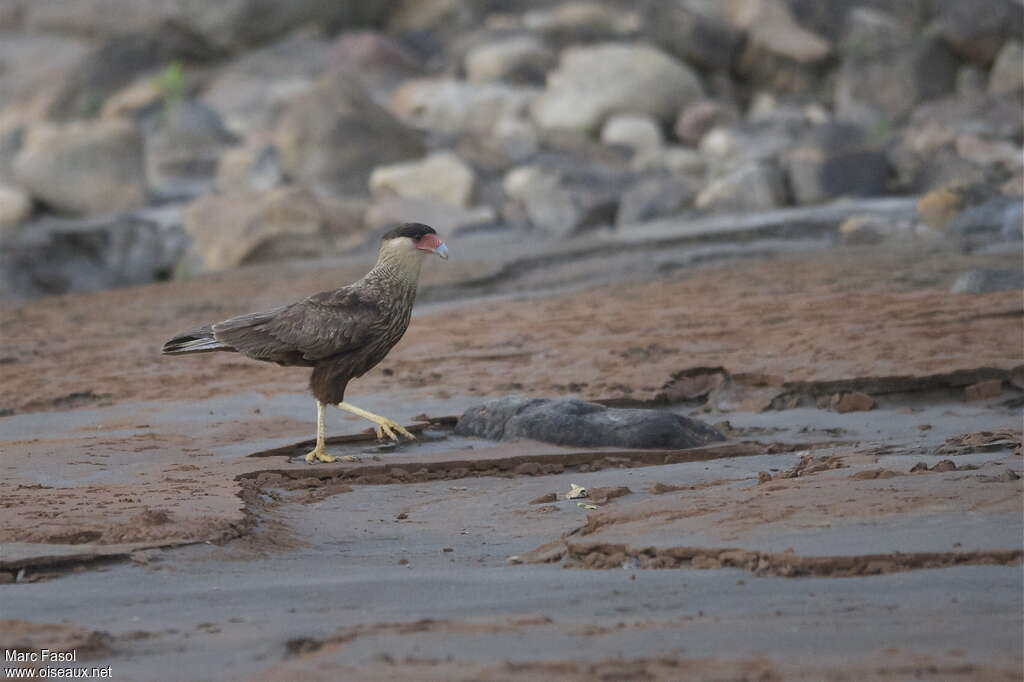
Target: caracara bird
341 334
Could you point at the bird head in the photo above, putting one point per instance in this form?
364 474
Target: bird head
414 238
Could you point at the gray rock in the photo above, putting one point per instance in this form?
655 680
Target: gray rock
835 160
249 91
780 54
593 82
84 168
1007 73
332 137
581 21
728 148
567 421
104 71
978 29
516 59
223 26
987 281
61 256
887 69
699 118
931 150
755 186
654 197
696 36
675 160
453 107
1000 219
562 202
33 60
379 61
183 143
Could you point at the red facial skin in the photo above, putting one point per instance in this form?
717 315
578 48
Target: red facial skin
428 242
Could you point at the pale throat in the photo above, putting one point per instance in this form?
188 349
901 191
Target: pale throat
398 262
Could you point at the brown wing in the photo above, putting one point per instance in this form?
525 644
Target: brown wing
305 332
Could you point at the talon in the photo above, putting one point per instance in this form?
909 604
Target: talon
319 455
348 458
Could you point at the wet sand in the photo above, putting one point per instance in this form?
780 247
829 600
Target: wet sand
156 514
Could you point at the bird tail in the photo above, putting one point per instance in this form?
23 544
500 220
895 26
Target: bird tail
200 340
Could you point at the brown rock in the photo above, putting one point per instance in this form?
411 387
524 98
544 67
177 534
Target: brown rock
763 477
944 465
547 498
244 227
872 474
984 390
920 466
852 402
601 496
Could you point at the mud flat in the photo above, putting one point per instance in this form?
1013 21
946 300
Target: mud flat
863 519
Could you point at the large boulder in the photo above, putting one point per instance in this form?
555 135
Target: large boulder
561 201
582 21
222 26
250 91
441 176
333 136
517 59
56 256
379 61
1007 73
978 29
228 230
567 421
183 144
114 64
452 107
594 82
756 186
835 160
780 53
84 168
887 69
34 60
15 206
699 37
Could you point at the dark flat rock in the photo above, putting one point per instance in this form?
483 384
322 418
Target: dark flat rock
567 421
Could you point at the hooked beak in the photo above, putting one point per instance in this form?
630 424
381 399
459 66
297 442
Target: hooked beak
441 250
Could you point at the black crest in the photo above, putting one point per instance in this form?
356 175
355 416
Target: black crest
413 231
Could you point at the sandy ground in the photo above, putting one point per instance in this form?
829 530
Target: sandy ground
804 548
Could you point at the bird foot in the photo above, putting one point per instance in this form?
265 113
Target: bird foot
388 427
318 454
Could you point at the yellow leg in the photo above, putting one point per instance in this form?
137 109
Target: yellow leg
319 454
383 425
